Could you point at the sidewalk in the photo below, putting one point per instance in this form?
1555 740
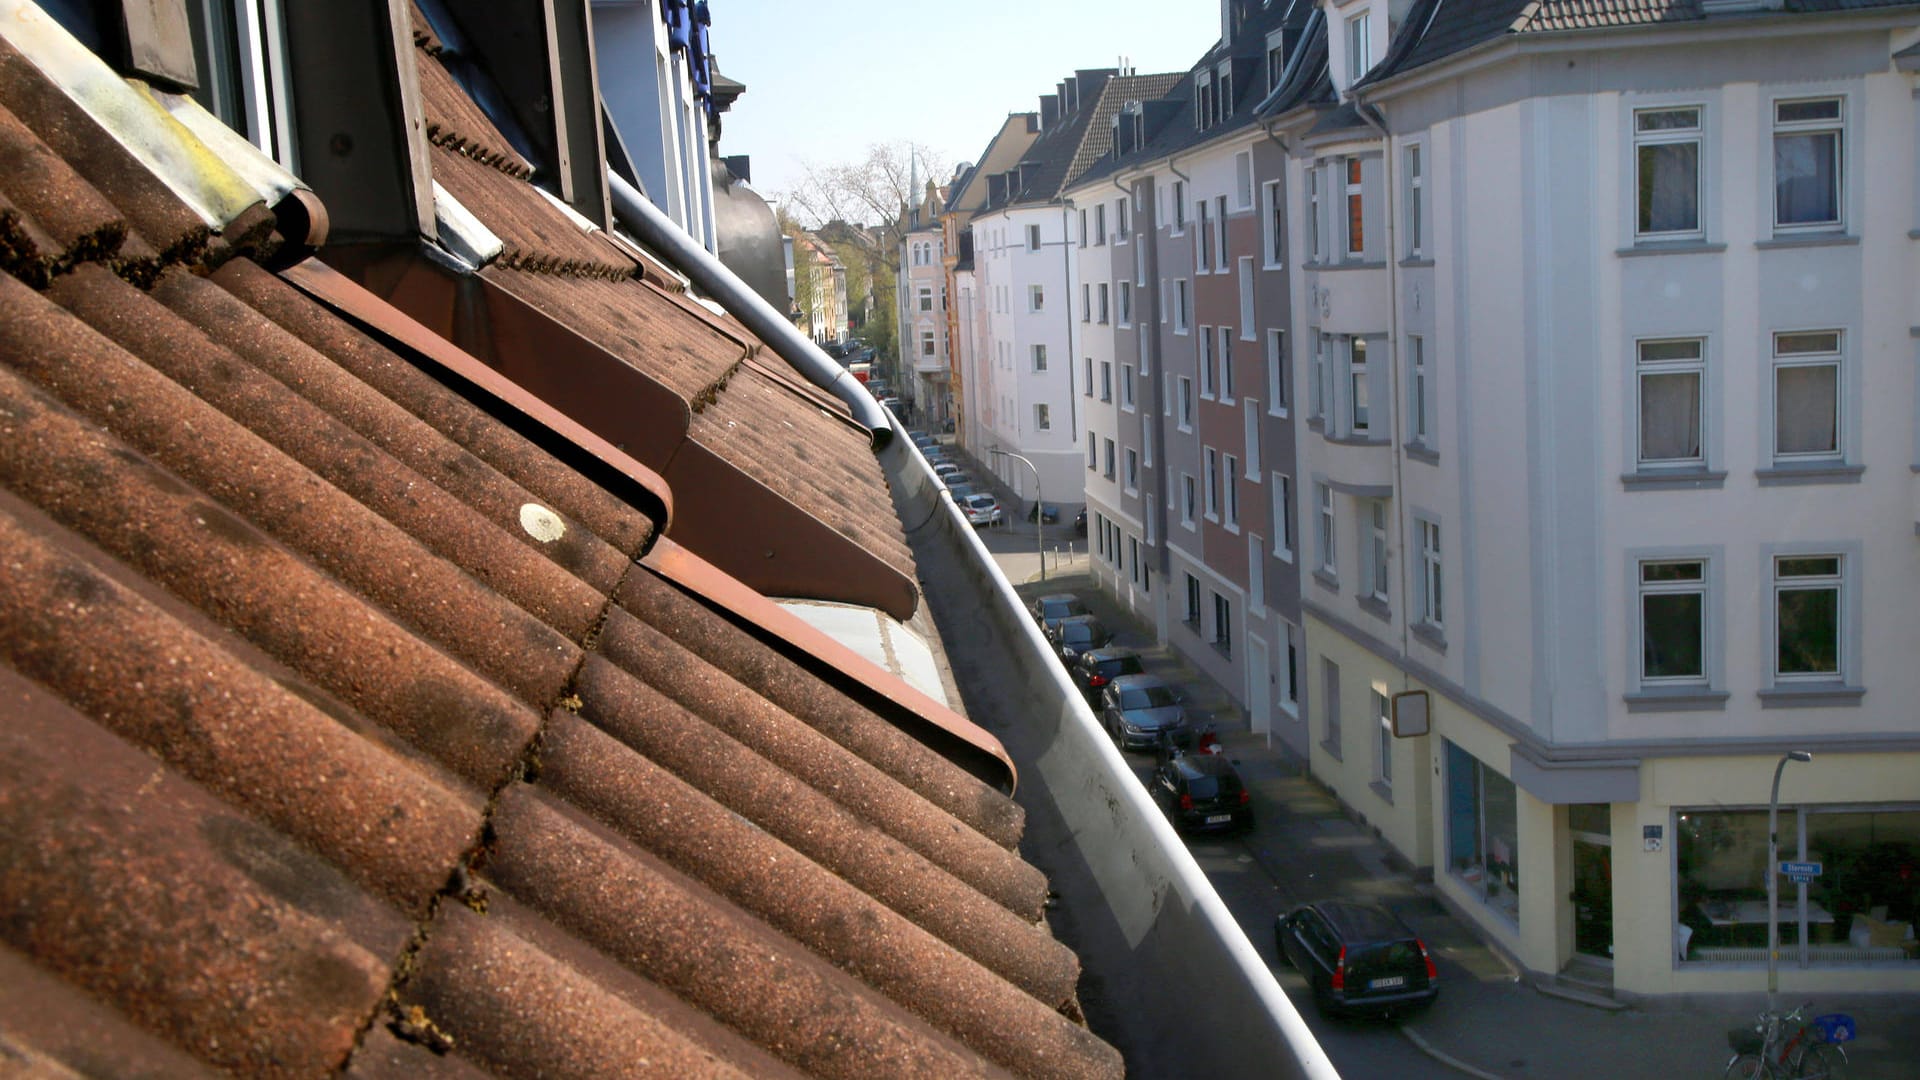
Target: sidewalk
1489 1021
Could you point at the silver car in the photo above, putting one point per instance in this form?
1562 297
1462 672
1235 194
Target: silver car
1142 712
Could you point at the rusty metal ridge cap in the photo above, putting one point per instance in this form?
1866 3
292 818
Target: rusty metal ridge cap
690 572
347 298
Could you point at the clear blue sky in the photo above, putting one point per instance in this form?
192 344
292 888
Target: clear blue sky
827 79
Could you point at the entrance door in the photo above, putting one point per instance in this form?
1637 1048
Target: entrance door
1259 689
1590 828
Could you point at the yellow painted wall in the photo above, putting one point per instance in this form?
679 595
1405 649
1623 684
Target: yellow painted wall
1404 822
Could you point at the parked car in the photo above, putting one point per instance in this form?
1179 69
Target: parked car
1048 610
1095 668
981 509
1048 516
960 488
946 470
1142 712
1201 793
923 440
1358 957
1076 634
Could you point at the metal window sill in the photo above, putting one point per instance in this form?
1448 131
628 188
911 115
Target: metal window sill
1421 452
1807 240
1674 479
1430 636
1670 247
1683 700
1811 696
1327 580
1817 473
1375 607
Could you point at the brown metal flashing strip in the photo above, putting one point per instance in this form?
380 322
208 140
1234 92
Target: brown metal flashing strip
343 295
764 537
888 694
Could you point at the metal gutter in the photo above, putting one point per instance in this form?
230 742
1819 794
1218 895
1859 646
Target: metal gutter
1133 904
668 240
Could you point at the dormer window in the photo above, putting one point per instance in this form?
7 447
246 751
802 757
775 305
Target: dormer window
1359 48
1224 98
1203 100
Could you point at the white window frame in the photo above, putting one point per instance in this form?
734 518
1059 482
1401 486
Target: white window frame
1042 416
1283 536
1432 592
1277 373
1101 293
1106 380
1248 331
1222 258
1654 138
1178 195
1273 234
1353 189
1801 350
1326 534
1039 357
1837 582
1208 380
1189 498
1701 586
1359 388
1106 458
1130 476
1210 489
1419 392
1203 231
1316 221
1036 299
1033 238
1670 367
1093 451
1292 656
1223 357
1086 301
1799 129
1099 224
1251 437
1243 180
1383 739
1378 584
1359 47
1122 228
1180 311
1230 491
1123 304
1126 387
1415 171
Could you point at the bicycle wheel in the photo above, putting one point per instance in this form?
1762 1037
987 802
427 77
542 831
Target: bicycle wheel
1746 1067
1822 1061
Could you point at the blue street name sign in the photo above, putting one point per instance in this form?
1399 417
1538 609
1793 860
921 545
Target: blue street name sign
1800 869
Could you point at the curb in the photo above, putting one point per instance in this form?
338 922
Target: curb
1420 1043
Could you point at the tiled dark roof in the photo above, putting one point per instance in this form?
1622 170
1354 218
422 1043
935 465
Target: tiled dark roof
353 729
1180 129
1436 29
1099 136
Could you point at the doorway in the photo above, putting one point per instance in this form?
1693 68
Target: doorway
1590 827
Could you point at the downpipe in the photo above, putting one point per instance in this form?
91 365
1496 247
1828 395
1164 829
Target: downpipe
664 236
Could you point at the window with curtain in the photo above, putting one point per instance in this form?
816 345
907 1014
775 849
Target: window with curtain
1672 375
1806 163
1667 160
1806 395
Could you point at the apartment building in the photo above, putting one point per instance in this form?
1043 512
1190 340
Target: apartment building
923 320
965 197
1027 277
1185 366
1608 471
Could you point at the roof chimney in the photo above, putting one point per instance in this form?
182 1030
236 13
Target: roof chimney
1049 111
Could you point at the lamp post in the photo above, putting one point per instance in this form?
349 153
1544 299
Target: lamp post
1039 508
1773 877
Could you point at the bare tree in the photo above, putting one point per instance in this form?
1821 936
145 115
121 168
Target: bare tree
871 191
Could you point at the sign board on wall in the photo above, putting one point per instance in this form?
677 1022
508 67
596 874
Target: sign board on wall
1411 714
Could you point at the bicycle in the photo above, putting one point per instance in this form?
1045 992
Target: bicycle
1786 1046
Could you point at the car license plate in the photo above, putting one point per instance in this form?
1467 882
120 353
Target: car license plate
1219 819
1387 983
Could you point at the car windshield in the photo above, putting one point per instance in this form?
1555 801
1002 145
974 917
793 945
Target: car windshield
1060 609
1119 665
1203 787
1147 697
1079 632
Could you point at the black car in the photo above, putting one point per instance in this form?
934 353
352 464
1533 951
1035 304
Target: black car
1358 957
1095 668
1076 634
1142 712
1202 793
1048 610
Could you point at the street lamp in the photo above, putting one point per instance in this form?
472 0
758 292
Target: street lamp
1773 876
1039 508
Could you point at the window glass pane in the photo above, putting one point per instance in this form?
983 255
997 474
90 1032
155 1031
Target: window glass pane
1670 636
1673 571
1788 112
1870 861
1809 636
1814 566
1805 409
1652 352
1667 119
1826 341
1669 187
1806 177
1721 859
1670 416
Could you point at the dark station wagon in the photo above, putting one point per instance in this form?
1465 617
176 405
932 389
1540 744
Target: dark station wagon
1358 957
